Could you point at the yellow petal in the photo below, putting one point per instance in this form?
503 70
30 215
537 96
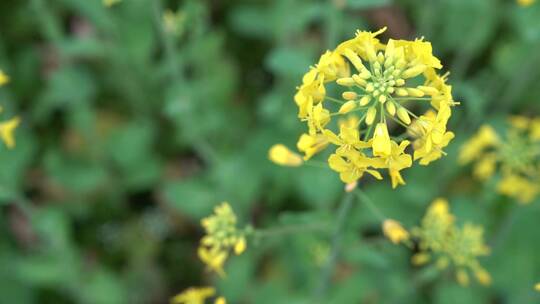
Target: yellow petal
381 141
7 129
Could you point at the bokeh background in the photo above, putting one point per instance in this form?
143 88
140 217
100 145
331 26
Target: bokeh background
133 131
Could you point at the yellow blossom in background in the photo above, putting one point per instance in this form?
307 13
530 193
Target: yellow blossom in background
196 295
173 22
281 155
394 231
440 239
222 236
514 156
525 2
7 130
537 287
379 85
3 78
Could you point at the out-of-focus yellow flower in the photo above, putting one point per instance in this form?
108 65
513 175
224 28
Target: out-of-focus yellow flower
394 231
378 82
109 3
7 130
221 236
220 300
194 295
281 155
3 78
515 156
461 246
537 287
519 187
485 167
525 2
173 22
473 148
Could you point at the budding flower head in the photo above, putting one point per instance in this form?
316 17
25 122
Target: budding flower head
221 237
514 154
394 231
460 246
381 83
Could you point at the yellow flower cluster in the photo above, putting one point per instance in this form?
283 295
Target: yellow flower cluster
375 87
440 237
7 128
517 155
195 295
221 237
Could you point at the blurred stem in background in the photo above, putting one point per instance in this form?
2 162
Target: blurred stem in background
344 209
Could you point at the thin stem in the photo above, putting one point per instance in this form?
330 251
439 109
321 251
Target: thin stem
289 229
412 98
334 99
369 203
344 209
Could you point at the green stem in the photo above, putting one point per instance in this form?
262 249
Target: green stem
344 209
290 229
369 203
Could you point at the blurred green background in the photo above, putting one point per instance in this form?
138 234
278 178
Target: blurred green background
132 132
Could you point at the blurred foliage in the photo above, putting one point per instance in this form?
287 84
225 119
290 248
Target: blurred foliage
131 133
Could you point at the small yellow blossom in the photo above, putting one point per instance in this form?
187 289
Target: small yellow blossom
537 287
7 129
173 22
3 78
281 155
394 231
221 237
377 82
194 295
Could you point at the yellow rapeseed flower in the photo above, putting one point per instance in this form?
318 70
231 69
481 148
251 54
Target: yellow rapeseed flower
515 156
394 231
281 155
222 236
537 287
461 246
377 82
